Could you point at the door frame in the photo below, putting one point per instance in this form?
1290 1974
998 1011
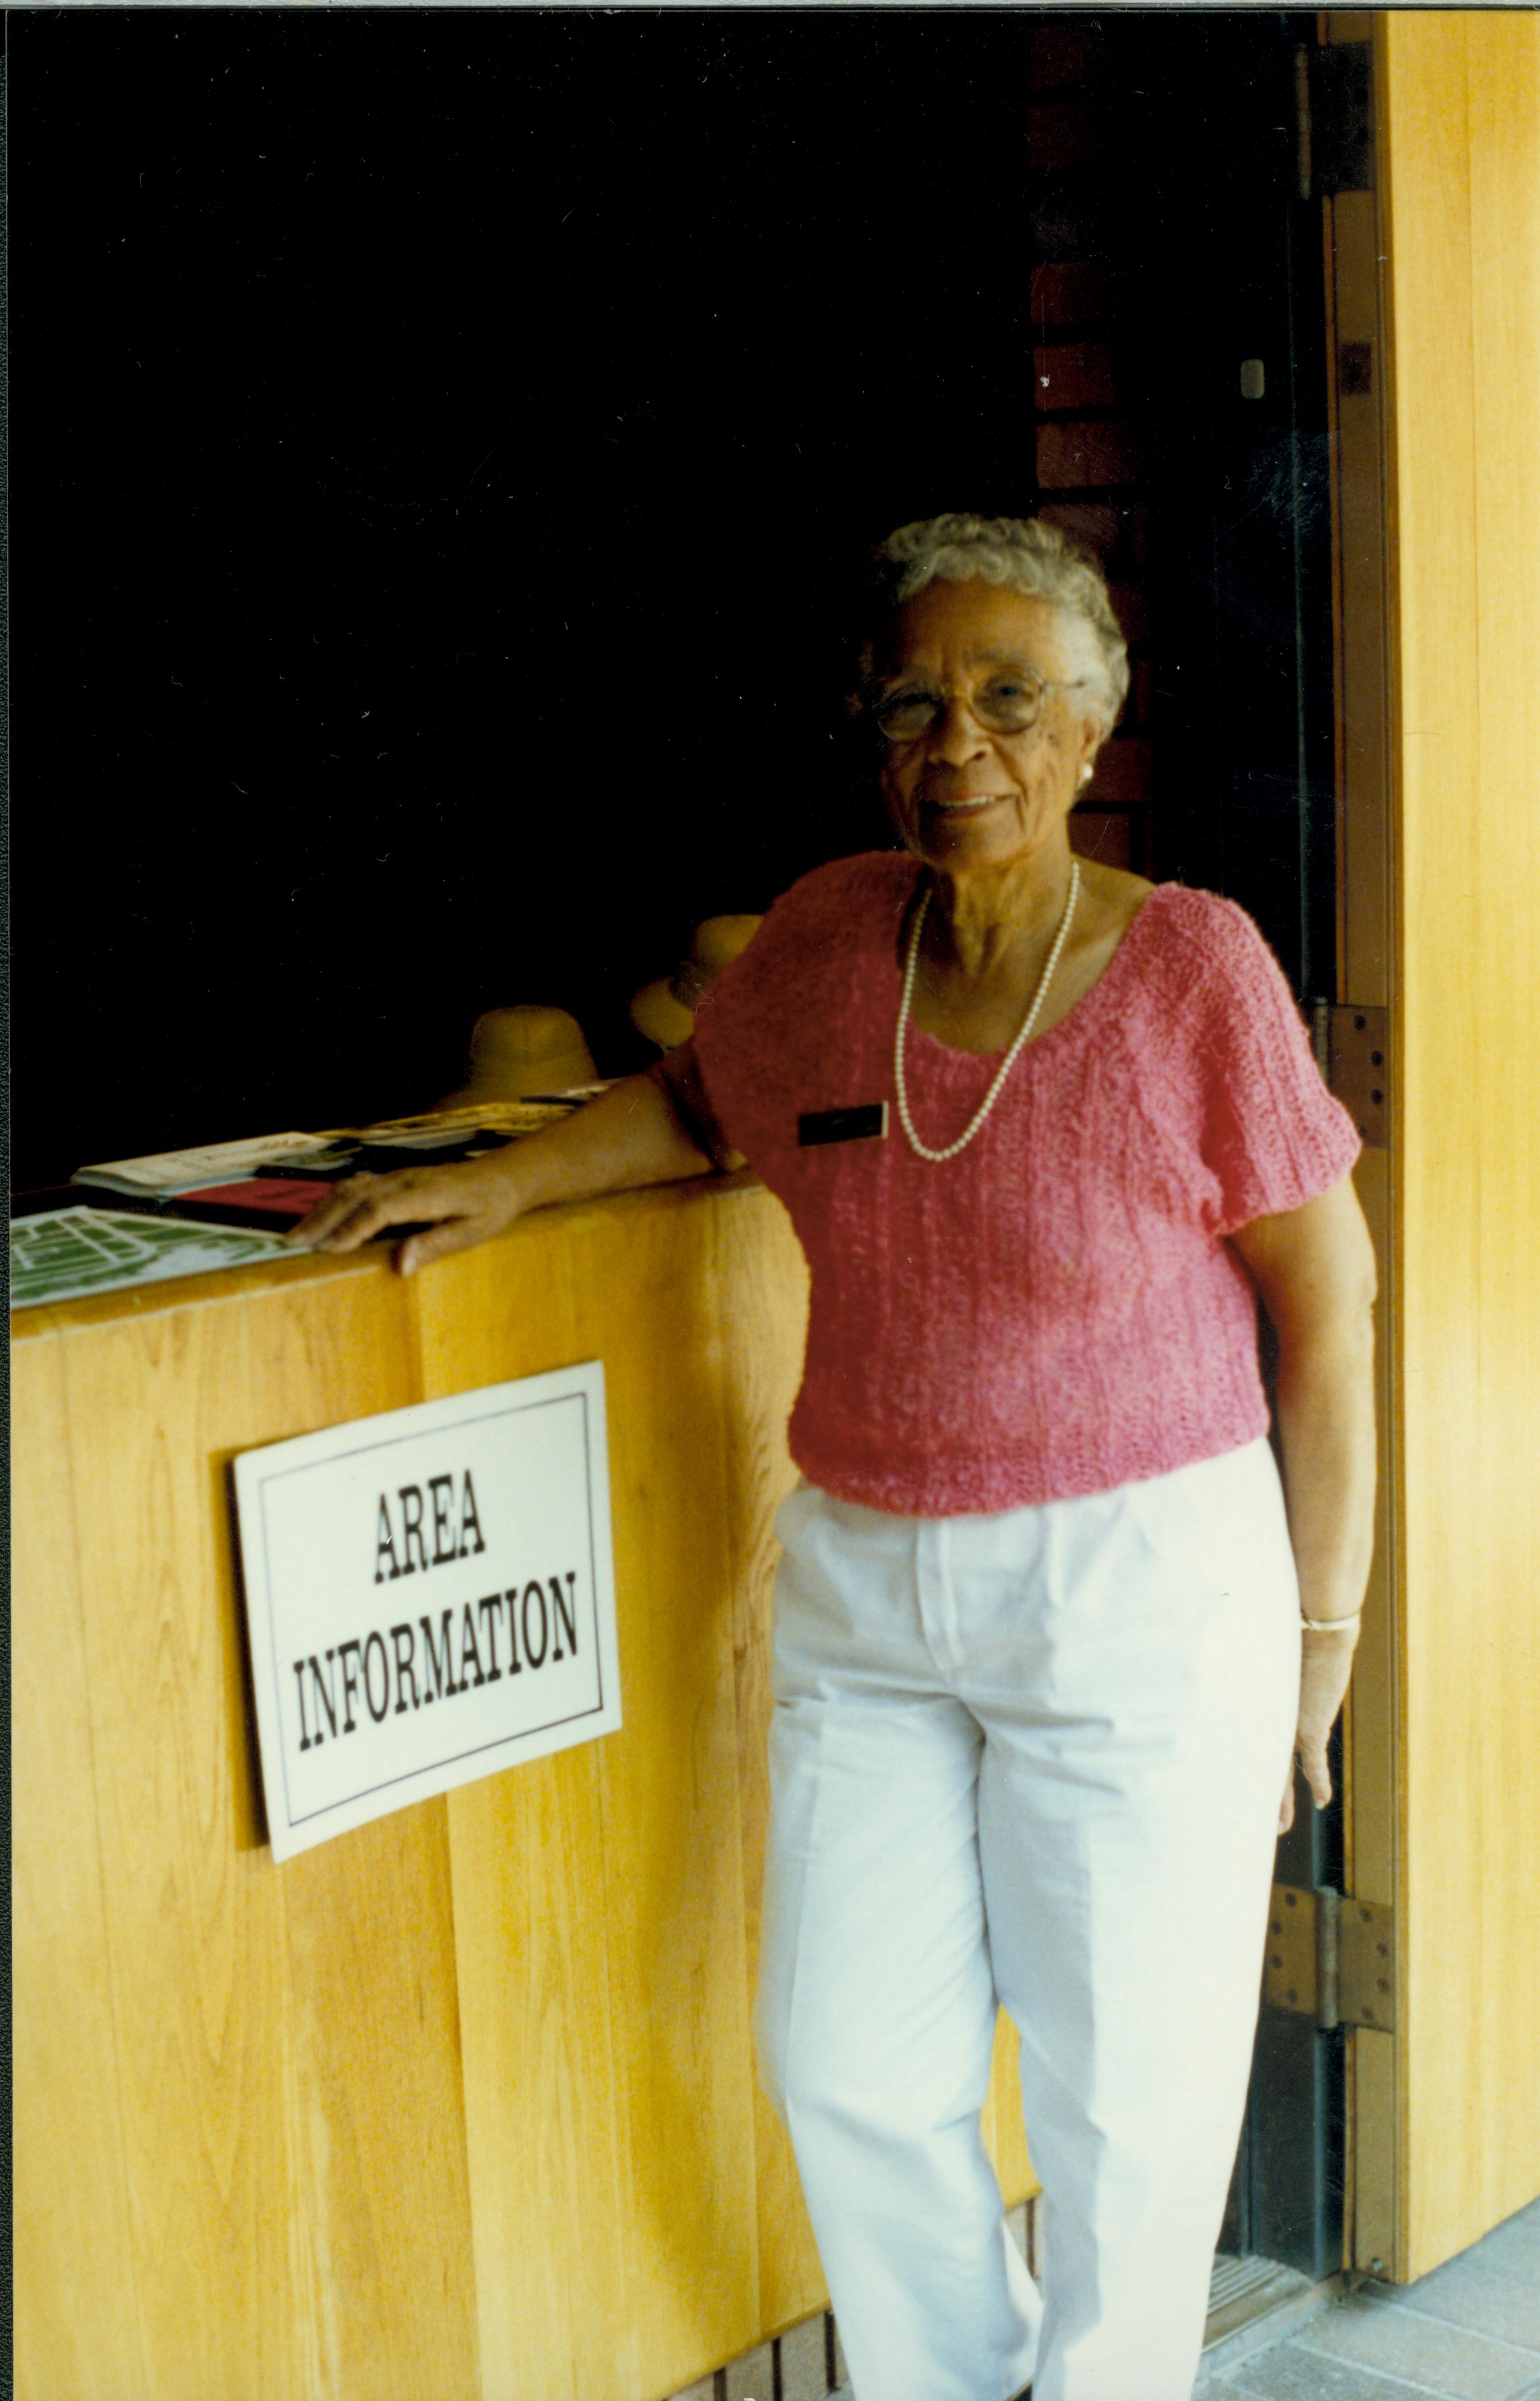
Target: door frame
1437 273
1359 436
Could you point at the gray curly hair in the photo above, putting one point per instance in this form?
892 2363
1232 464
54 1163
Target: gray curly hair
1025 555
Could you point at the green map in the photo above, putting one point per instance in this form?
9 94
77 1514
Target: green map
69 1252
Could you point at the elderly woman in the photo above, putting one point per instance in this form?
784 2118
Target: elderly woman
1045 1636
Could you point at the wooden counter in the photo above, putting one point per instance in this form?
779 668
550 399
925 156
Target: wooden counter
1442 746
459 2106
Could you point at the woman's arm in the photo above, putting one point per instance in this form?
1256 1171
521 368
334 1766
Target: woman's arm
630 1136
1315 1269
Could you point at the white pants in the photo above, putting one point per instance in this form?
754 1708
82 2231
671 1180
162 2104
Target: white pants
1032 1759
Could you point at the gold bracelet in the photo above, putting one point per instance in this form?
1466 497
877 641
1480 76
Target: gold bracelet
1328 1625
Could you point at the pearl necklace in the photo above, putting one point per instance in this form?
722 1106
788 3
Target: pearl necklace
916 1144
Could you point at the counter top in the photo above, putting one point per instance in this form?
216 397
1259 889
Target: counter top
374 1259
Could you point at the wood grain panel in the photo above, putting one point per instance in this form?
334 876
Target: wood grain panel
1372 1754
1500 2036
679 1990
1459 100
381 2242
762 1330
548 2164
195 1929
78 2329
1373 1716
663 1881
550 2179
274 2032
459 2106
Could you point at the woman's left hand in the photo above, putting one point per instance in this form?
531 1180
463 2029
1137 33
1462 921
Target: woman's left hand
1313 1266
1325 1664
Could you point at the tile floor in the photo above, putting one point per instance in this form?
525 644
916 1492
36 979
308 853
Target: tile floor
1468 2332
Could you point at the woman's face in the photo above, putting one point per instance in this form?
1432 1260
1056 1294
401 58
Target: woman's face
963 794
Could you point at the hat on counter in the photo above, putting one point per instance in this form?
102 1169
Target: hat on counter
665 1011
523 1049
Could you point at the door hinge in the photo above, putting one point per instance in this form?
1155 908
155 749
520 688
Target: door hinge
1358 1067
1331 1958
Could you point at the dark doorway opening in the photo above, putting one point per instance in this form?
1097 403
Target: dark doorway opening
446 448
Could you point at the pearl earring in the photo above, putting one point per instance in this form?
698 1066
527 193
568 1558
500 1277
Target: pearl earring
1085 775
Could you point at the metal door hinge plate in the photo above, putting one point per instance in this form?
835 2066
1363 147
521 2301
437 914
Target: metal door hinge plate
1358 1069
1330 1958
1366 1965
1288 1978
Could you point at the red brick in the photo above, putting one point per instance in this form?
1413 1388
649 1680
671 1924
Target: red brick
1114 531
1073 375
1123 773
1063 53
1095 525
1102 836
1096 454
1141 693
1127 607
1067 134
1072 291
1136 518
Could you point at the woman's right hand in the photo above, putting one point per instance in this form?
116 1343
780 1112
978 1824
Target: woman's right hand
456 1206
631 1135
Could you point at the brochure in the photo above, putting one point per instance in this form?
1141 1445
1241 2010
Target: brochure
70 1251
166 1174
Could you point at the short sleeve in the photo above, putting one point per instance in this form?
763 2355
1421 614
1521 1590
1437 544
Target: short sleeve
762 1016
678 1074
1273 1136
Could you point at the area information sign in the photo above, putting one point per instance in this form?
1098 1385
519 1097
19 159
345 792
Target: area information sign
430 1597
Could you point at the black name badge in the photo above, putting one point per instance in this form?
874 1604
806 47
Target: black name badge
867 1124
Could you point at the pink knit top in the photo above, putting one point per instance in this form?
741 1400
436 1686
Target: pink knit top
1055 1311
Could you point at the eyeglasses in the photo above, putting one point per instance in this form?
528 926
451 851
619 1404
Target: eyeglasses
1008 703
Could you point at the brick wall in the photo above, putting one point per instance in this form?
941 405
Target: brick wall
1090 443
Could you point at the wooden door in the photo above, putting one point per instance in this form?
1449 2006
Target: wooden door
1435 278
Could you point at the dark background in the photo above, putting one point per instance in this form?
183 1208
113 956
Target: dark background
448 443
446 449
